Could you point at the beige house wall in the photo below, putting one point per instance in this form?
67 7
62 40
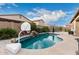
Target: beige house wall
40 23
13 21
75 26
10 24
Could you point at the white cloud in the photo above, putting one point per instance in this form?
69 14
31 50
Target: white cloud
14 4
31 14
54 16
7 5
42 11
47 15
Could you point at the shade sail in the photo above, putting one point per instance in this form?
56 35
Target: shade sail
25 26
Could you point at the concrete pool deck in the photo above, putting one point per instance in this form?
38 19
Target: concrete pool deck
66 47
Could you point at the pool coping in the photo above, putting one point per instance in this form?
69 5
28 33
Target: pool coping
66 47
55 46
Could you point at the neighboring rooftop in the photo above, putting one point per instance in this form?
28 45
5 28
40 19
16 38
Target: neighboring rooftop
77 13
38 20
15 17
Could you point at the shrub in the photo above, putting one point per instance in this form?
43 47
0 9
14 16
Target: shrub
34 33
7 33
38 30
71 32
45 29
33 26
67 30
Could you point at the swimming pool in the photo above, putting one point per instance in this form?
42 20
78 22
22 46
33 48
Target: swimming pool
40 41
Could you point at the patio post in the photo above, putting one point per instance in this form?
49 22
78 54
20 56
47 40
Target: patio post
77 52
53 32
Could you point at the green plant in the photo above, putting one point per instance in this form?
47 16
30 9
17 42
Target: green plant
39 30
7 33
34 33
33 26
45 29
71 32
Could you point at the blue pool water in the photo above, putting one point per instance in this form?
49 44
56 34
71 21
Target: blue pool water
40 41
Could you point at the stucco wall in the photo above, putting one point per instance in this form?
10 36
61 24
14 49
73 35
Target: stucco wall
72 25
10 24
13 21
77 28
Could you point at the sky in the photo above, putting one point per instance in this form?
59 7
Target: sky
59 14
